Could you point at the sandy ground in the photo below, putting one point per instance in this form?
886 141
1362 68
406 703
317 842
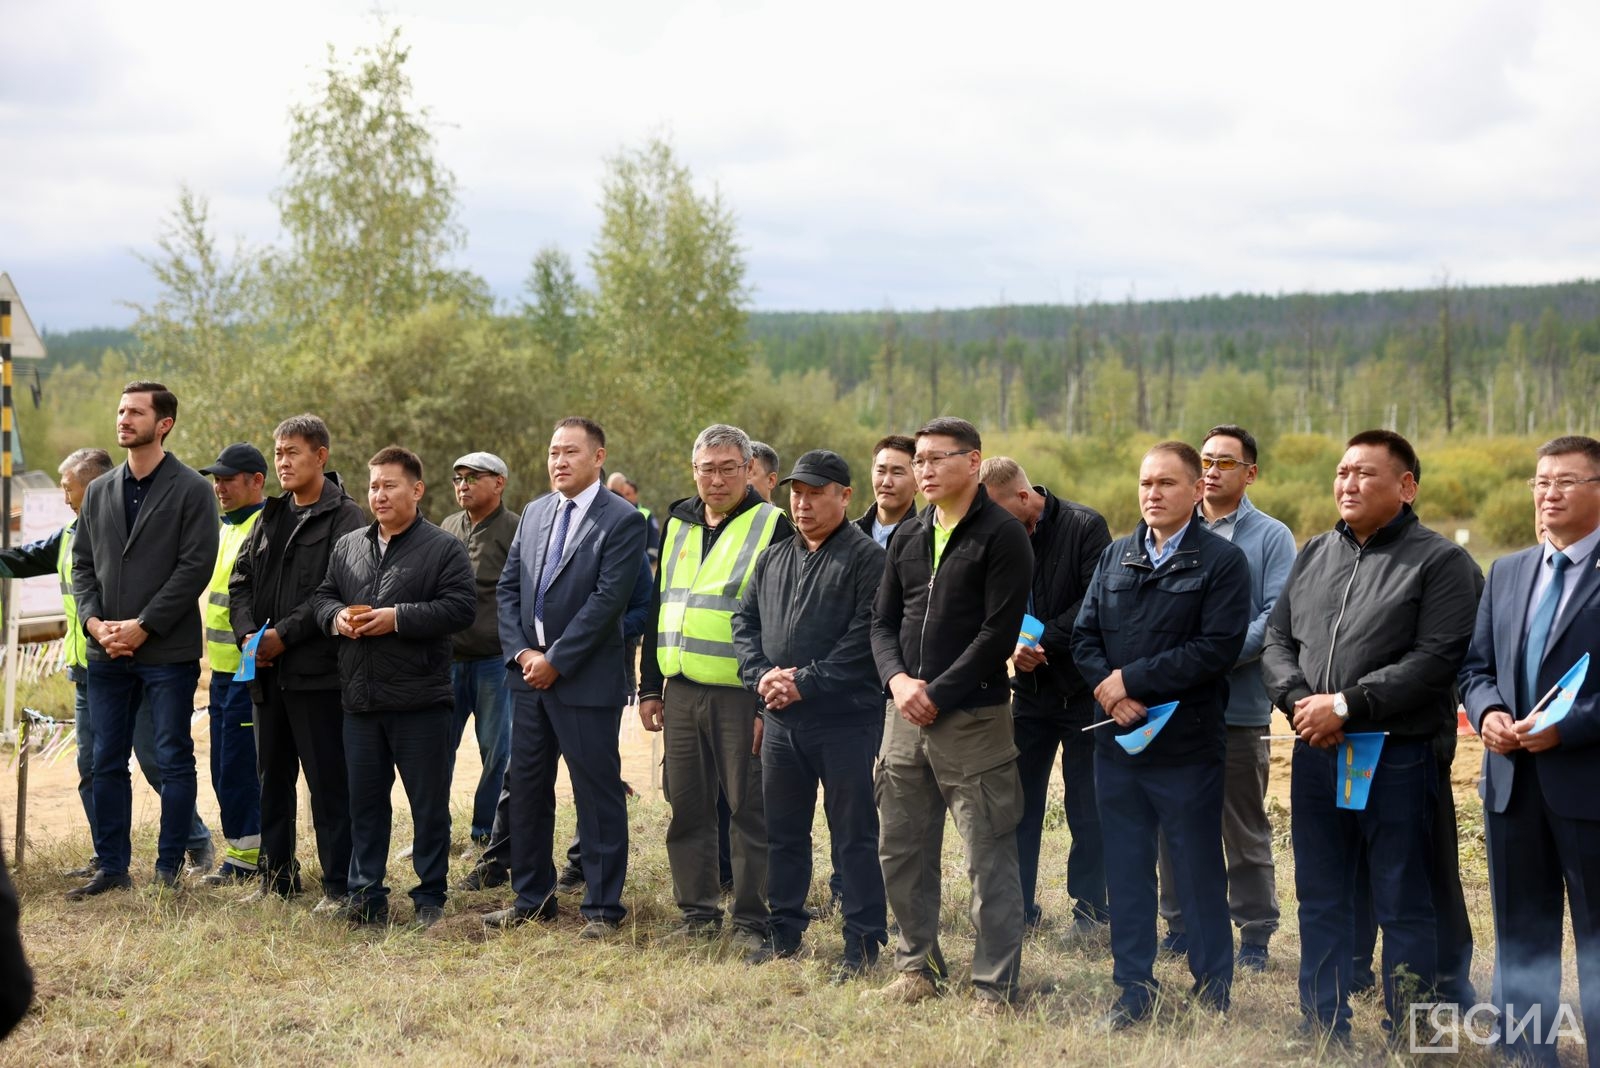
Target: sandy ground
54 812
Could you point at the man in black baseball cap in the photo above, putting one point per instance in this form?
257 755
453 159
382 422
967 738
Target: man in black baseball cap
802 634
240 458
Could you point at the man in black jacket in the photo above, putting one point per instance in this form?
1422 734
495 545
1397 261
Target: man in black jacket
802 635
894 488
298 713
396 592
1367 635
947 615
1050 701
145 545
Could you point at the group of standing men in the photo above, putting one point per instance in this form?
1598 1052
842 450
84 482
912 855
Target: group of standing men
769 643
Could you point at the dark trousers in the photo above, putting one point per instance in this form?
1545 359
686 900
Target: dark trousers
1044 722
1246 841
1453 927
1184 801
1536 856
302 730
416 744
116 689
545 730
233 768
1396 831
839 757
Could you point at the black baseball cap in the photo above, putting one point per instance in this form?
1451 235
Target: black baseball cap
240 456
820 467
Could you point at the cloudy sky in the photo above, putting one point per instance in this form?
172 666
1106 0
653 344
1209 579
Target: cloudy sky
914 155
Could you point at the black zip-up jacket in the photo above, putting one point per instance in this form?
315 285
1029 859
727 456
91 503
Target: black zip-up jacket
280 565
956 629
1387 624
867 518
1174 631
426 577
812 611
690 510
1067 543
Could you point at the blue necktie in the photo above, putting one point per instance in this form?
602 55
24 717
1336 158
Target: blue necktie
552 556
1544 617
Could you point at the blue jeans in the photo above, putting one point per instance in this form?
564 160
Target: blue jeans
116 690
1396 828
233 767
480 691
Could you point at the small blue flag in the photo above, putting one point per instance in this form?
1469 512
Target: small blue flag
1032 631
1359 757
1138 739
247 666
1570 684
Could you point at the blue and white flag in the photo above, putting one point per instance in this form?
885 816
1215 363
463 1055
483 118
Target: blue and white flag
247 665
1561 704
1138 739
1358 762
1032 631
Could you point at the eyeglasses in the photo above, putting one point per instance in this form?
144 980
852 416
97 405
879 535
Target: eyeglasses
469 480
1565 485
728 470
1221 463
919 462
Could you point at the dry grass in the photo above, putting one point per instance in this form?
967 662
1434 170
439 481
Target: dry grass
203 978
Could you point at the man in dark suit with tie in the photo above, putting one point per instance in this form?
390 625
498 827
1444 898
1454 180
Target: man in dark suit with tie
566 584
145 545
1540 612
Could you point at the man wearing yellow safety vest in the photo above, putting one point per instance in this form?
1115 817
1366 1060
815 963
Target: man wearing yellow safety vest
689 686
53 555
239 474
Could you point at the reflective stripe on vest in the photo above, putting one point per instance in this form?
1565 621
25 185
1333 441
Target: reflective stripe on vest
694 632
74 647
222 653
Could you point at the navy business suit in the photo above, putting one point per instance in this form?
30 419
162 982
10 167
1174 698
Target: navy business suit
579 715
1541 810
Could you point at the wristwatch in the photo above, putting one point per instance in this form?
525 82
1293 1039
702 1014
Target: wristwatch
1341 707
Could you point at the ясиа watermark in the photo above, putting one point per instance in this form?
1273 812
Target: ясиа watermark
1441 1027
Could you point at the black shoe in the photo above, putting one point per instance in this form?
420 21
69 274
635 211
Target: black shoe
599 930
1175 944
1122 1016
167 880
1252 958
860 955
771 949
228 874
201 858
480 840
363 914
571 881
85 872
1032 917
484 877
99 883
428 915
507 918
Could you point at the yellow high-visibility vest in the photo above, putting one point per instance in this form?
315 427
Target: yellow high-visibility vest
221 651
74 647
694 632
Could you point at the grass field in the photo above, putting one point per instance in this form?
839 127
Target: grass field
201 977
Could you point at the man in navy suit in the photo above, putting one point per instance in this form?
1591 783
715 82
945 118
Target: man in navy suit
1540 612
566 584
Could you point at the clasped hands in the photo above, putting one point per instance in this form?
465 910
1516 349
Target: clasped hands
1112 693
118 637
368 624
537 670
1504 735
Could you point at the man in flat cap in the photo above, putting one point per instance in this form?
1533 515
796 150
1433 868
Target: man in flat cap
803 636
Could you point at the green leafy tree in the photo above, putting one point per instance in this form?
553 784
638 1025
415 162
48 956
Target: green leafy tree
557 306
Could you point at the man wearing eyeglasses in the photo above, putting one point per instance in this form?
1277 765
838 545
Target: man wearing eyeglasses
1540 613
478 673
1228 460
946 618
690 689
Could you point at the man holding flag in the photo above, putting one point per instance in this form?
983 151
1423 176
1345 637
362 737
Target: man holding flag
1539 618
1162 623
1366 637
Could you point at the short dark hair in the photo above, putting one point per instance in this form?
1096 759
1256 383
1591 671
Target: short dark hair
1230 430
897 442
394 454
307 426
596 432
1183 451
1400 449
162 399
949 426
760 450
1570 444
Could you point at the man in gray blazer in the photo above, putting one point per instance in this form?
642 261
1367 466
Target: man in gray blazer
145 545
562 595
